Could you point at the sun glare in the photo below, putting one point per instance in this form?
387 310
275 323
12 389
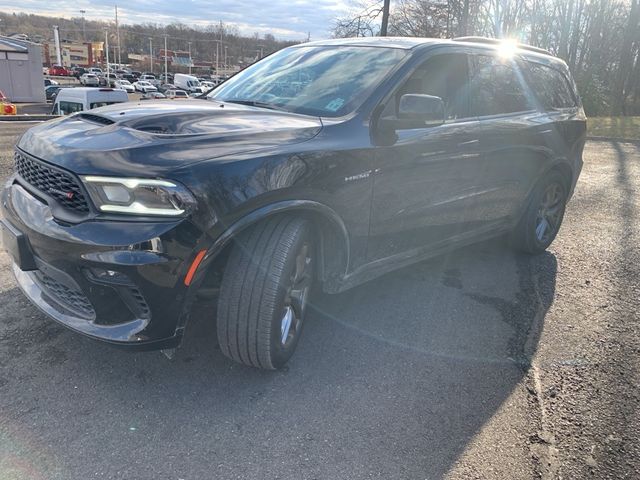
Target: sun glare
507 48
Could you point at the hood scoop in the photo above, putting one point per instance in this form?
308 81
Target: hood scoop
90 117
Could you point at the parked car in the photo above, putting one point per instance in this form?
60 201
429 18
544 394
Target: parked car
166 86
187 82
108 80
150 79
168 79
124 85
96 71
48 82
78 72
294 172
136 74
176 94
58 71
89 79
207 85
130 77
80 99
51 91
152 96
144 86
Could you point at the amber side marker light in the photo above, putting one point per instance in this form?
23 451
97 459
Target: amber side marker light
194 266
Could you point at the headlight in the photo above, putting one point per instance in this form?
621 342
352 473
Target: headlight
139 196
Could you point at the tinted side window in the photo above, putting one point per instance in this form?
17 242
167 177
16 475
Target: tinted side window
550 86
69 107
497 86
444 76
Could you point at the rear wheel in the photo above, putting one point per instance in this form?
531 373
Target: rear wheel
541 221
264 292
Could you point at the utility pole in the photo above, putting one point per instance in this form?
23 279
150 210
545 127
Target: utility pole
165 58
226 67
385 18
106 47
190 62
150 55
118 39
217 56
84 35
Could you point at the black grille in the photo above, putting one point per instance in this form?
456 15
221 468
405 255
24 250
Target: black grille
143 308
52 181
70 298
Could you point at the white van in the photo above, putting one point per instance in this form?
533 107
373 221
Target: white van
187 82
72 100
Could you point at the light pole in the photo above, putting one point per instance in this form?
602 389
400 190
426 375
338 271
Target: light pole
225 60
165 58
190 62
118 39
106 47
217 55
84 35
150 55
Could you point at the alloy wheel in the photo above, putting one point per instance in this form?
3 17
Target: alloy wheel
549 212
295 301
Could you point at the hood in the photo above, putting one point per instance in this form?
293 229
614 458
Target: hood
155 136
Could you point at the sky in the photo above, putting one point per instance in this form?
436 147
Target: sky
285 19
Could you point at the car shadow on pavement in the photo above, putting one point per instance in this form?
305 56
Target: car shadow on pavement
392 379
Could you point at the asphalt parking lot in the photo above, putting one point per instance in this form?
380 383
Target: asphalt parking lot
482 364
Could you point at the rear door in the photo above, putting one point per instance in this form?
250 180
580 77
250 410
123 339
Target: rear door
510 127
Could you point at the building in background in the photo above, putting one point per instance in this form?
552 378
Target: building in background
21 77
80 54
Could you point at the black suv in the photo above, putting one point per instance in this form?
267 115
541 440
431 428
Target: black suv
330 162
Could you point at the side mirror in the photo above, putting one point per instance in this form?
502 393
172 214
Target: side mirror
418 111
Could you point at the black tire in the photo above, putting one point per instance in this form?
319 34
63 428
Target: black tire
547 203
265 285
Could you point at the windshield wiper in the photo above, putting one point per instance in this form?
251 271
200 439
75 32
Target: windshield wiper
254 103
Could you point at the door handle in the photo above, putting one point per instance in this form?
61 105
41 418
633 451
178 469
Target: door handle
469 143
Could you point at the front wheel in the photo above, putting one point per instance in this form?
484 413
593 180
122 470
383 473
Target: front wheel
264 292
541 221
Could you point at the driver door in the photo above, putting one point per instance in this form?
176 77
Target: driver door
425 185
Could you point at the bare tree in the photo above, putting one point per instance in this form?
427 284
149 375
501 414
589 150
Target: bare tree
599 39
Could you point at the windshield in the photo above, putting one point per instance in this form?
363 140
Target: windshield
322 81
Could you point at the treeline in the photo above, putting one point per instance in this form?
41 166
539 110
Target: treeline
599 39
135 38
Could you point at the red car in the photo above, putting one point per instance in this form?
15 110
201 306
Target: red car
59 71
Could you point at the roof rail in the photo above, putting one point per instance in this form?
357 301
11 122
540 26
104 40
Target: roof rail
497 41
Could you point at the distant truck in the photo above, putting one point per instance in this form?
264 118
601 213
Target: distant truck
58 71
188 82
72 100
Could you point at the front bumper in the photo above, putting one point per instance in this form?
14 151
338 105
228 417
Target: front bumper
115 281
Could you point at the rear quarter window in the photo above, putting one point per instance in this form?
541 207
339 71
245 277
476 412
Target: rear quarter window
550 86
